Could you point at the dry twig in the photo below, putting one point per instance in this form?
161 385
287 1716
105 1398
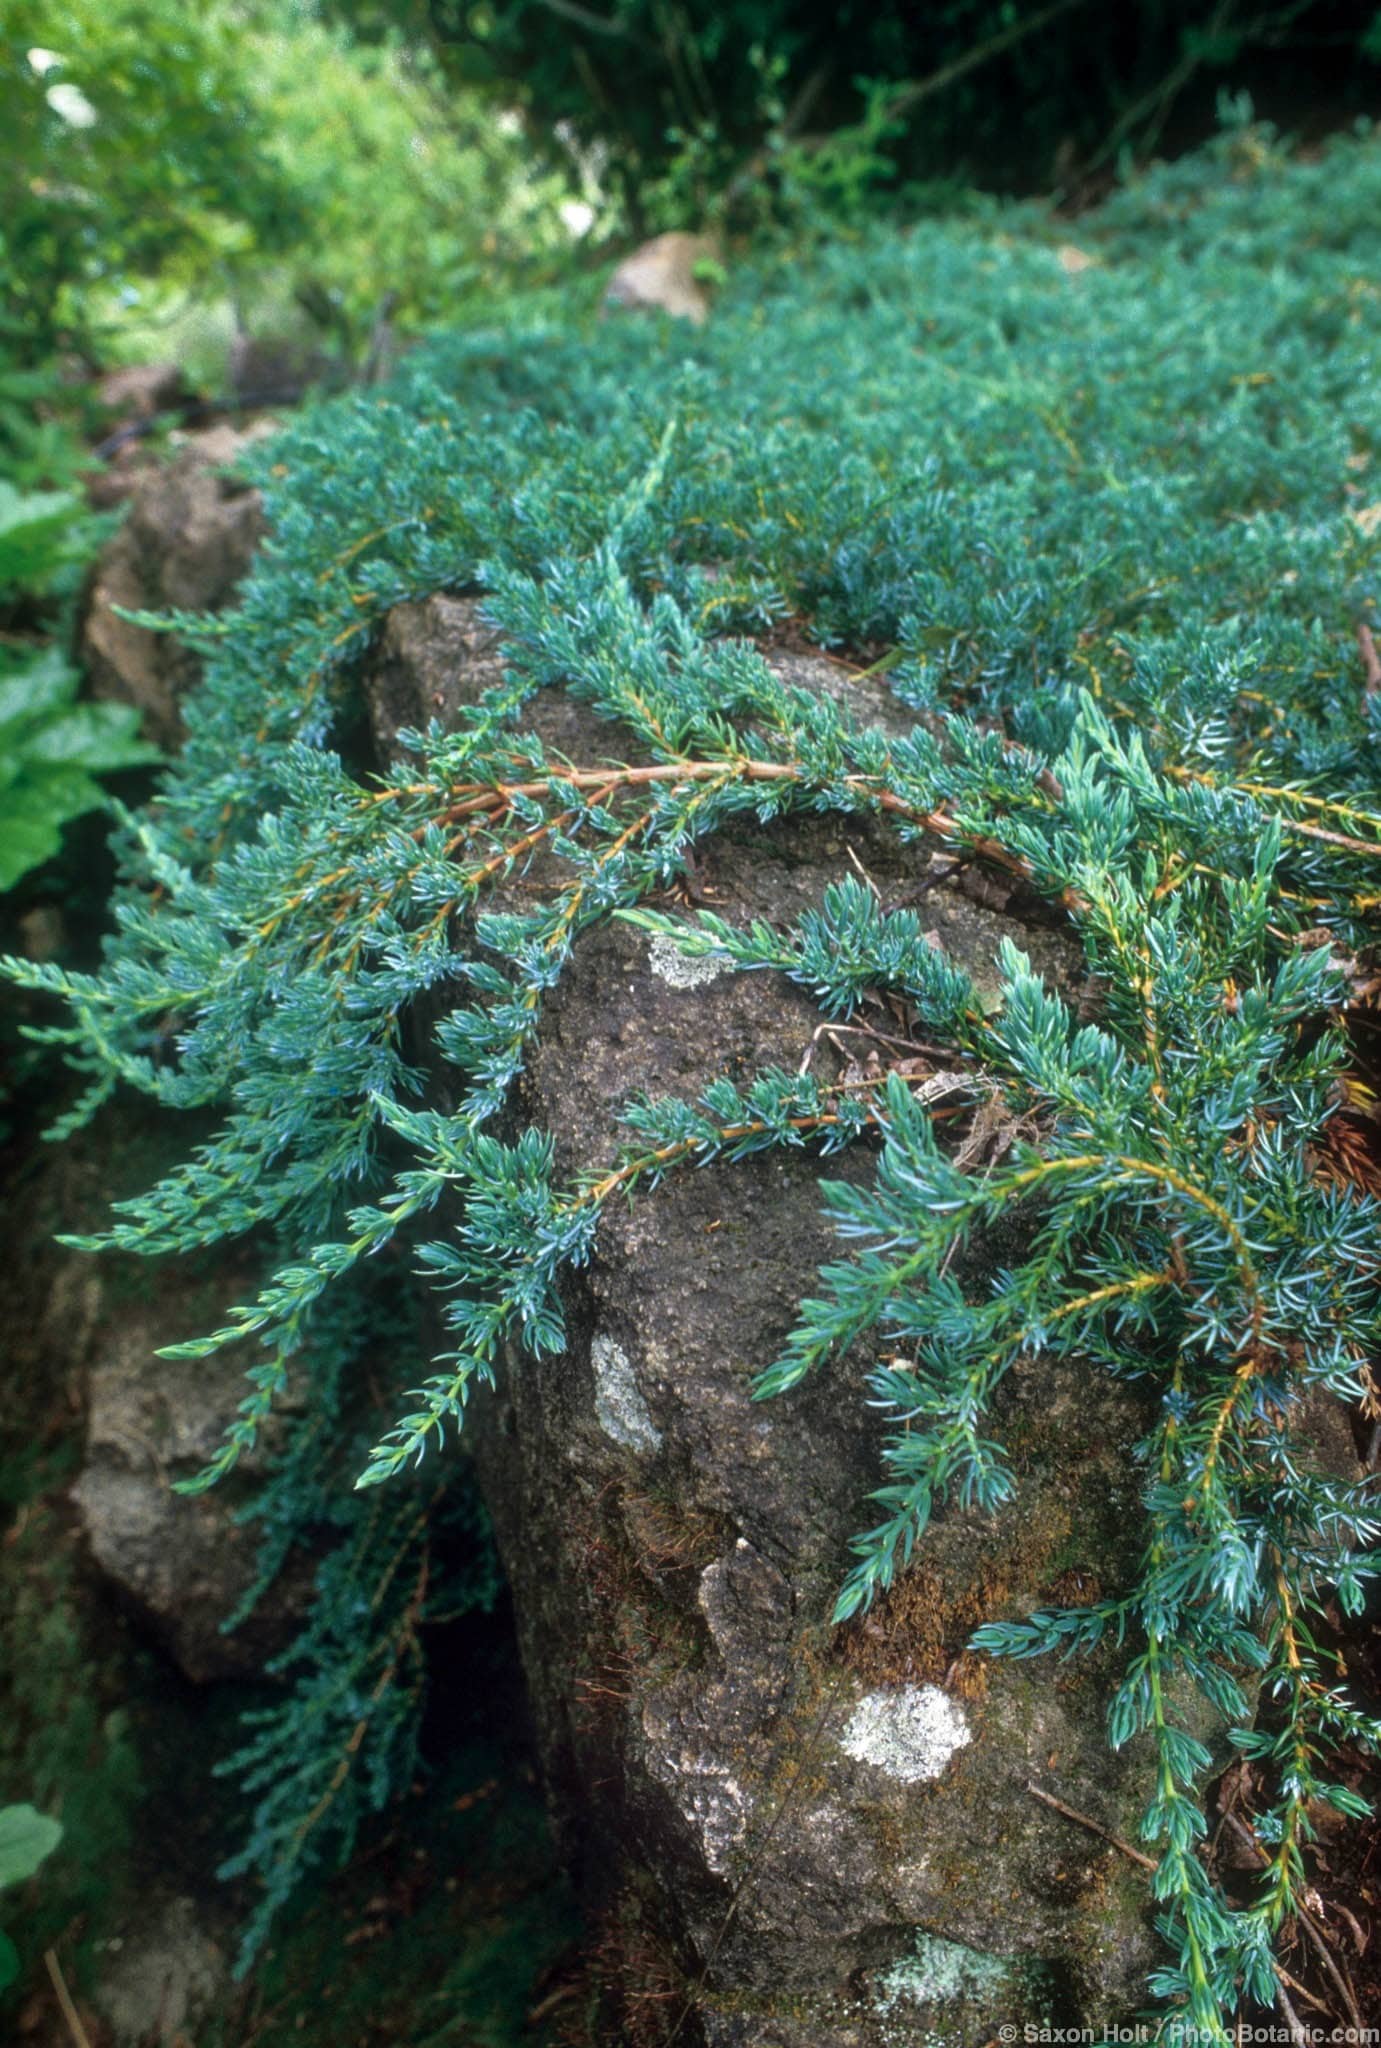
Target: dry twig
1310 1926
64 1996
1095 1827
1291 2017
1371 660
1293 1984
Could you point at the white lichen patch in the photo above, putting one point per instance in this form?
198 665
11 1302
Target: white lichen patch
910 1733
620 1408
681 970
938 1975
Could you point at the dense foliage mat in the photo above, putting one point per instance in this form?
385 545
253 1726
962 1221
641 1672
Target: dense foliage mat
1108 528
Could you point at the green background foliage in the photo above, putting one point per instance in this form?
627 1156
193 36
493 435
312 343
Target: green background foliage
408 190
651 80
406 197
27 1839
168 170
51 747
158 165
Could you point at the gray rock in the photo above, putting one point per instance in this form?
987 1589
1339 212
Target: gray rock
430 659
830 1829
182 1563
186 543
80 1336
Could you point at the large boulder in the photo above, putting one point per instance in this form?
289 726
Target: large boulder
186 544
797 1837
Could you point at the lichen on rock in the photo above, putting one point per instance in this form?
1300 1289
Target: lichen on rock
911 1733
932 1995
681 970
620 1408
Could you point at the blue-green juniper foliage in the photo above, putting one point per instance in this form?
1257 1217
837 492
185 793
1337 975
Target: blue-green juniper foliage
1107 536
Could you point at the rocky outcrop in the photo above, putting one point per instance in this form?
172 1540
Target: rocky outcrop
83 1333
186 543
806 1838
183 1563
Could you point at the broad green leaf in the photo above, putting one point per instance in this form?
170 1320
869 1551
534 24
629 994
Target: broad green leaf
35 807
44 683
9 1962
26 1838
93 736
49 750
33 534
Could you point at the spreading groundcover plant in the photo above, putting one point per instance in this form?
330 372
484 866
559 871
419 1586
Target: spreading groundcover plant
1105 530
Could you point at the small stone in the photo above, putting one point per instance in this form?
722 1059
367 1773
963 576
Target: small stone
663 275
43 932
169 1976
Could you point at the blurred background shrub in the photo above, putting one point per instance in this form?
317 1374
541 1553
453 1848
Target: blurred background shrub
170 175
